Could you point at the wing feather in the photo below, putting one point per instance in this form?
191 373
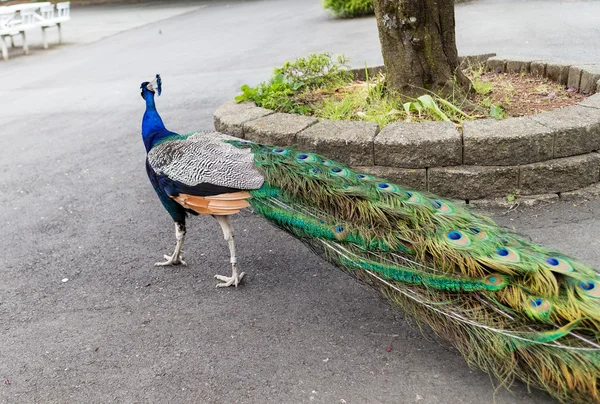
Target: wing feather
203 158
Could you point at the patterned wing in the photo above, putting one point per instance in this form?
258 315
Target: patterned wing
200 162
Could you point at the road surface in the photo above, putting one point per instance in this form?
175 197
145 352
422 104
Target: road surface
85 317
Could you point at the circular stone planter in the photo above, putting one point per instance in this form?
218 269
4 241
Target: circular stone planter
539 157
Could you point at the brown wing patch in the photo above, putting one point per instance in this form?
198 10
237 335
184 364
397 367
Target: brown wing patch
223 204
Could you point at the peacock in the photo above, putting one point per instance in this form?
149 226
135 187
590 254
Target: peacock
511 307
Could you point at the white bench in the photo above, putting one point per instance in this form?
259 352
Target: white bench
49 19
8 29
28 21
16 20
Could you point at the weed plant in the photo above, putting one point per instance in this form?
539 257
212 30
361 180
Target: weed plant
315 71
349 8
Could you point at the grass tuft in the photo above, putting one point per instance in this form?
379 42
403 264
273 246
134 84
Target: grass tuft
316 71
349 8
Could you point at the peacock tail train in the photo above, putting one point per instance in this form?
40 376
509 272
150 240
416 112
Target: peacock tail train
511 307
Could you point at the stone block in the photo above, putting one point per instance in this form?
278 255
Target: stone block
589 79
278 129
412 178
560 175
504 142
574 80
473 182
349 142
474 60
591 192
418 145
538 68
576 129
518 65
229 117
558 72
592 101
496 64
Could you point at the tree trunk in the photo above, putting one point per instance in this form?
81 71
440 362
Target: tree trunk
418 45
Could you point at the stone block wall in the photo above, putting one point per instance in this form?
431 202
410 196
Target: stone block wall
550 153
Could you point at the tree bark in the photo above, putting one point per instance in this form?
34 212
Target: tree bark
418 45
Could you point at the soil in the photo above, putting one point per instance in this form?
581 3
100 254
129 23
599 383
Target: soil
517 94
525 94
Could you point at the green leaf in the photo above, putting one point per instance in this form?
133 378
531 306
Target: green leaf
394 112
278 78
430 105
482 87
418 106
248 93
497 112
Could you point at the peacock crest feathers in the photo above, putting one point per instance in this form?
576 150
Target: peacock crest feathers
538 307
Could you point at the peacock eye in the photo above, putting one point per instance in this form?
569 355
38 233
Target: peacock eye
537 302
454 235
503 252
587 285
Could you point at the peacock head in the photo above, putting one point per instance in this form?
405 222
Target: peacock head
152 86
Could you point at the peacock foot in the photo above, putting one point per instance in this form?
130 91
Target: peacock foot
175 259
234 280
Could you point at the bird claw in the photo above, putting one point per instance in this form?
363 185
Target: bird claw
229 280
171 260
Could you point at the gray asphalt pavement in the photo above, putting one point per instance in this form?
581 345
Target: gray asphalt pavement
76 206
88 25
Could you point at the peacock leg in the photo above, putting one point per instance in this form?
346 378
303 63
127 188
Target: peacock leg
176 258
235 278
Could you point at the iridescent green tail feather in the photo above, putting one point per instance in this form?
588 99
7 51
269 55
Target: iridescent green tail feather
513 308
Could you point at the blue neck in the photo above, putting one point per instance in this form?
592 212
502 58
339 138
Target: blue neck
153 128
